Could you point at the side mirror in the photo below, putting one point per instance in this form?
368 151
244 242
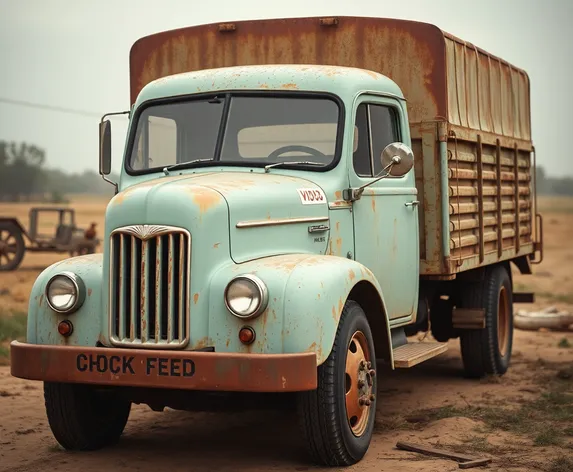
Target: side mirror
105 147
397 158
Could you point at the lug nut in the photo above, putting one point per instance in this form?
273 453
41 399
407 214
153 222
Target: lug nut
372 373
367 402
372 397
361 401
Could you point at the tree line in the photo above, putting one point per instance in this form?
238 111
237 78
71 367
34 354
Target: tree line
25 177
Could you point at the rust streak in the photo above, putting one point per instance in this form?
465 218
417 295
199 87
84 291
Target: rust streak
205 198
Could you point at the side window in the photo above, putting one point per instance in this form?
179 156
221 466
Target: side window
376 126
384 126
361 156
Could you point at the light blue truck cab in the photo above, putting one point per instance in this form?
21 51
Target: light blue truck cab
264 237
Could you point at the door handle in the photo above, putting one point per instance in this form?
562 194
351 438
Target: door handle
412 204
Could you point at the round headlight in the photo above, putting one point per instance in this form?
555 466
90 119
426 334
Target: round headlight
65 292
246 296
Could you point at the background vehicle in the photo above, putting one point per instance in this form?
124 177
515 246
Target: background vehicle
67 237
274 232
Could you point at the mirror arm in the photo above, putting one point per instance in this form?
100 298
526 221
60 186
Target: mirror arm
353 194
116 188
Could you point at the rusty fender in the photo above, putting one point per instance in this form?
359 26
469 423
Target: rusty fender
43 322
307 294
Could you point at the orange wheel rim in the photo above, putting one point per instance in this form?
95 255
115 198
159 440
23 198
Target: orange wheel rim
503 314
359 383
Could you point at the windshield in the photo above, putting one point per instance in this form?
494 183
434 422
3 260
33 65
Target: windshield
235 129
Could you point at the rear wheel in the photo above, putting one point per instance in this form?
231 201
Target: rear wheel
488 350
338 417
12 246
83 417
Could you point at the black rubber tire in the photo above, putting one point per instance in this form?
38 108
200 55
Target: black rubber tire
16 233
480 349
322 412
441 319
83 418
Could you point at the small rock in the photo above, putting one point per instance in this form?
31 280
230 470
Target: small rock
4 291
25 431
418 419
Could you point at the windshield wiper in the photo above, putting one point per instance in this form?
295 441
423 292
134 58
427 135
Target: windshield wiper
295 163
183 165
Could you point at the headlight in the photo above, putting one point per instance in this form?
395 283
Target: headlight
246 296
65 292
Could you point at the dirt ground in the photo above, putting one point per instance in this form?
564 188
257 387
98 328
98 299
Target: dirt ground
523 421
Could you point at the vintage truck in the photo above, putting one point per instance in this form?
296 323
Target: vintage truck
298 199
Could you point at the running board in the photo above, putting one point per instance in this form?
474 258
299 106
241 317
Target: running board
408 355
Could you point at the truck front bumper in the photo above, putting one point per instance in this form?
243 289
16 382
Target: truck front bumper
187 370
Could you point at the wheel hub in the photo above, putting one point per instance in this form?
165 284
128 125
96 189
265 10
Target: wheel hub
359 383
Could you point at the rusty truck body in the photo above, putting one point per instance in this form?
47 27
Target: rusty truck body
298 197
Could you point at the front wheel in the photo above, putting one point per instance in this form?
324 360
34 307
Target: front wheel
337 418
84 418
488 350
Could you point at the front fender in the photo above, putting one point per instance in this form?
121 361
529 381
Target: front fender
43 322
307 294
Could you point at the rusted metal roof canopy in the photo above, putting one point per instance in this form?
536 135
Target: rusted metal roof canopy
442 77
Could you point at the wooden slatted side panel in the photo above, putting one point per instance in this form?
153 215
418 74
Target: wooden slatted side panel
488 183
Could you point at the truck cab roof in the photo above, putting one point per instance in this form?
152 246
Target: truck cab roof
343 81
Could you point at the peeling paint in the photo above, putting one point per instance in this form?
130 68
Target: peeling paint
205 198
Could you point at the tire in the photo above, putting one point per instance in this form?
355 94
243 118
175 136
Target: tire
11 235
487 351
82 418
441 319
326 427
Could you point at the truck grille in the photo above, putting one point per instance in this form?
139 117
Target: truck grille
149 286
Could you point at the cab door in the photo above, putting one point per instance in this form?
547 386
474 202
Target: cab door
386 215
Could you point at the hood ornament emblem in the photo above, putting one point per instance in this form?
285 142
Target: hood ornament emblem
145 232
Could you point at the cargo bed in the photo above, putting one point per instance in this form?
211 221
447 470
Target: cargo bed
469 115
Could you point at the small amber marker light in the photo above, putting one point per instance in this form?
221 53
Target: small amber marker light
65 328
247 335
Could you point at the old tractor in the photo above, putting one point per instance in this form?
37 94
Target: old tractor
67 237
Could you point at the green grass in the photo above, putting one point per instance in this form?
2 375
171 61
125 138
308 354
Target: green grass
564 343
12 326
561 464
548 437
543 420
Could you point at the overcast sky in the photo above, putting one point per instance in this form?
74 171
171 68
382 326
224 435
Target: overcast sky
74 54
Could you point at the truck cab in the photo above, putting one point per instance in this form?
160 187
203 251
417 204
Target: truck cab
267 236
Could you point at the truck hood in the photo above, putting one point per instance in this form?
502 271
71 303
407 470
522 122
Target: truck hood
268 214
